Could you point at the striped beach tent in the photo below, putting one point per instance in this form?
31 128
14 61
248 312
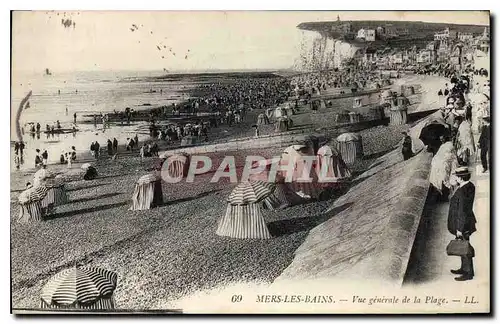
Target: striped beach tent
178 165
30 204
147 193
350 146
281 124
80 288
243 222
57 186
56 194
250 192
331 166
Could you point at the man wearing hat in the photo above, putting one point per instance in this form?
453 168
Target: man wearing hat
461 219
484 144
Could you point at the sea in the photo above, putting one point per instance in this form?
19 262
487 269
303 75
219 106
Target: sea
58 96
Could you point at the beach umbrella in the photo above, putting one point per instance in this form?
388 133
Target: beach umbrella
429 135
250 192
84 287
38 192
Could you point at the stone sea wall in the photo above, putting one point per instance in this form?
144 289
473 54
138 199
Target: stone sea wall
244 143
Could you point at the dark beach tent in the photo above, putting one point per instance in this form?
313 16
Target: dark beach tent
350 146
80 288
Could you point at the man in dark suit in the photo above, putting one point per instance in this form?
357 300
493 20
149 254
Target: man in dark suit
461 219
407 146
484 144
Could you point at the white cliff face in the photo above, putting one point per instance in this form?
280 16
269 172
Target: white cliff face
318 52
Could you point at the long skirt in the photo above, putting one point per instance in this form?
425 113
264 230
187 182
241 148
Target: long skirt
30 212
282 197
242 222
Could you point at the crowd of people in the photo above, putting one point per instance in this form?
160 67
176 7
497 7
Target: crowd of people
454 153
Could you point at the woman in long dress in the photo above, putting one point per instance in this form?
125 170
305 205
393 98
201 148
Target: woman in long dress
465 143
442 165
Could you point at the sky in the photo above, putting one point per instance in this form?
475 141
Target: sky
236 40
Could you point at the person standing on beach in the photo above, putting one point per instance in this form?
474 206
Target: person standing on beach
110 147
407 147
115 145
97 147
73 153
21 148
38 159
484 144
45 158
136 141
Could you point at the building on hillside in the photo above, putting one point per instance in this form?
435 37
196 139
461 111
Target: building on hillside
432 46
484 41
397 59
446 34
370 35
465 37
366 34
392 31
426 56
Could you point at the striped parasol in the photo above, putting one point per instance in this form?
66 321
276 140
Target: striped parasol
33 194
250 192
79 286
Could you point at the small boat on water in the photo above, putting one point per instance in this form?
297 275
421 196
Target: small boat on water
62 131
47 72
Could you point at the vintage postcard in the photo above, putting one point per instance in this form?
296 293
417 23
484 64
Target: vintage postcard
250 162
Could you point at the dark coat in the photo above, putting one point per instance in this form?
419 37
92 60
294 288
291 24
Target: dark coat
407 145
460 215
484 139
